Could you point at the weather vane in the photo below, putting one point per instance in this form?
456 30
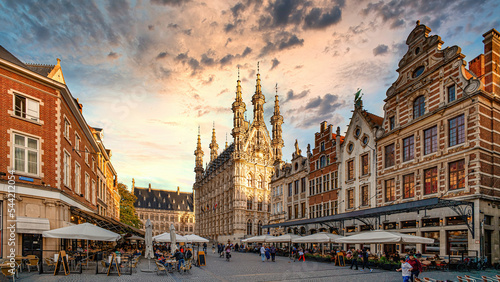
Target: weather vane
357 98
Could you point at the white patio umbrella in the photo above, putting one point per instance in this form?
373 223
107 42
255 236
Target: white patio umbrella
382 236
193 238
257 239
287 238
165 238
173 243
84 231
321 237
148 253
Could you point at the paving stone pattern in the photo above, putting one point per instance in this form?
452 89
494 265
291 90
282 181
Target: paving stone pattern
249 267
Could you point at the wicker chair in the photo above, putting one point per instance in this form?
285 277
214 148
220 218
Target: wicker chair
50 263
32 262
160 268
7 272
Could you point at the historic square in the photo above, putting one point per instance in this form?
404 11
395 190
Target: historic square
268 140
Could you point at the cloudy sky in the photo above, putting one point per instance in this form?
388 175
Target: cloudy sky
151 71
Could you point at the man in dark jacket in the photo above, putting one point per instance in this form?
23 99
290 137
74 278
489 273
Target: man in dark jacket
354 258
179 257
365 259
273 252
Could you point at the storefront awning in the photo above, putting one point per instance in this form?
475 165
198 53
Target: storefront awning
462 208
32 225
106 222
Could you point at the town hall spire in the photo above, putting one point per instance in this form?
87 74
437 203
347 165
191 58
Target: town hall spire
276 122
198 169
213 146
258 101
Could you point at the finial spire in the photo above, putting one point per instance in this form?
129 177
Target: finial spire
238 73
226 140
276 89
258 68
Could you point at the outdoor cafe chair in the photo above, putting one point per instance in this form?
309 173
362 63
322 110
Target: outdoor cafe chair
160 268
8 274
32 262
50 263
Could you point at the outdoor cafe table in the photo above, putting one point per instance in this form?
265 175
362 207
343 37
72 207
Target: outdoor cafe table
172 263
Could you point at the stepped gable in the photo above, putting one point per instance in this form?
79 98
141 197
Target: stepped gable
163 199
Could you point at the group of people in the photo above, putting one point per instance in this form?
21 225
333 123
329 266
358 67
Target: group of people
356 255
181 255
268 252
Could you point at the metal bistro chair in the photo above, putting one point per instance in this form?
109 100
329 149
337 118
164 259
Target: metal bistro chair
50 263
32 261
160 268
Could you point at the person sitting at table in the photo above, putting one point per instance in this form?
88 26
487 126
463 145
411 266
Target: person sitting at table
137 252
79 249
157 253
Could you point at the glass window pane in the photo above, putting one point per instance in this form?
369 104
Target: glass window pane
20 156
32 162
32 143
19 140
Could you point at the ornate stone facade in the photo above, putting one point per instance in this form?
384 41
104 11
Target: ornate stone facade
232 192
289 193
164 208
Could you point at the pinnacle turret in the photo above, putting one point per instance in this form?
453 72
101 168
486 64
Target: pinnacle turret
276 122
213 146
258 100
199 157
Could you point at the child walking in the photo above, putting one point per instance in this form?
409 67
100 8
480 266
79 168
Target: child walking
406 270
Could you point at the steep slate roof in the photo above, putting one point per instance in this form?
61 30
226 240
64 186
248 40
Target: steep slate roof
374 119
163 200
6 55
40 69
220 160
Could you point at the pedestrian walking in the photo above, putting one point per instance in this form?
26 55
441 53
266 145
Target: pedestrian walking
406 270
301 255
273 253
354 258
294 253
263 253
364 255
268 254
205 247
213 248
416 267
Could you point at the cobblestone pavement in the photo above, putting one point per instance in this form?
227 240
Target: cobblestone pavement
249 267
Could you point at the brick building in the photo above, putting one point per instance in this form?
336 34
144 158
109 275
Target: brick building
439 142
164 208
52 152
324 175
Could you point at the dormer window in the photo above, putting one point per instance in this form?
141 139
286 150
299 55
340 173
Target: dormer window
451 93
322 146
418 71
418 107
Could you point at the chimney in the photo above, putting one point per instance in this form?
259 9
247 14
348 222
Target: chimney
491 61
133 185
322 127
337 145
477 66
178 192
149 187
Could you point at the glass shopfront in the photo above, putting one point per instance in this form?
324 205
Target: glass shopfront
431 248
457 242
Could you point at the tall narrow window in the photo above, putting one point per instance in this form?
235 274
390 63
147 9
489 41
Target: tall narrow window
326 182
26 154
311 187
392 123
249 203
322 161
322 146
296 211
451 93
350 198
419 107
303 185
67 128
364 165
457 130
303 209
408 186
364 196
67 169
430 181
249 227
408 148
389 155
350 170
259 205
290 191
289 212
296 186
335 179
87 186
78 178
77 143
390 190
430 140
93 191
457 174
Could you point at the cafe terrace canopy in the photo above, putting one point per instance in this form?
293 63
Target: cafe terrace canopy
287 238
257 239
84 231
192 238
382 237
322 237
165 238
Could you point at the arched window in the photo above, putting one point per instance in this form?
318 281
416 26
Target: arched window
259 205
259 228
419 107
249 227
249 180
260 182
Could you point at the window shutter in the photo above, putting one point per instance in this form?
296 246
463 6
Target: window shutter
33 110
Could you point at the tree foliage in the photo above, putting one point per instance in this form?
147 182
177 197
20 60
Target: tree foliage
127 209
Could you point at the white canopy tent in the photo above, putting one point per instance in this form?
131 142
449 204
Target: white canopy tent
84 231
257 239
321 237
165 238
287 238
382 237
193 238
